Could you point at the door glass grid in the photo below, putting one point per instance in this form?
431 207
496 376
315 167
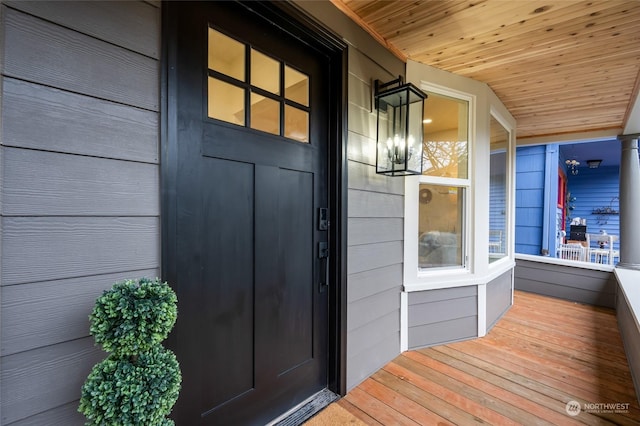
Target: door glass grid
275 98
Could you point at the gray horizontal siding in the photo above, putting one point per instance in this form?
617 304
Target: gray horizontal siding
361 121
363 177
361 149
48 248
132 25
373 230
375 234
566 282
76 124
375 204
40 51
80 188
370 358
362 117
499 297
65 415
368 310
41 314
373 281
43 183
444 332
373 256
41 379
442 316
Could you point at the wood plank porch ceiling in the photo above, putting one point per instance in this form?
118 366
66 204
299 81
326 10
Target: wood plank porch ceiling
542 354
559 66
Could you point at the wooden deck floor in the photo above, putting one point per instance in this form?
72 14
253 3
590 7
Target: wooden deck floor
541 355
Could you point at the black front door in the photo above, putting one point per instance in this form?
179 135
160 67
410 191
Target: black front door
249 189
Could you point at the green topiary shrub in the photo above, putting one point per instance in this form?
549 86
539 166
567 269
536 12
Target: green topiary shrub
134 316
139 382
122 391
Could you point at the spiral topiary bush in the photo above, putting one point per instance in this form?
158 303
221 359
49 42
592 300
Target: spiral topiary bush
139 382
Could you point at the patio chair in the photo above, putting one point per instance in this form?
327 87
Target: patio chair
601 248
495 241
572 252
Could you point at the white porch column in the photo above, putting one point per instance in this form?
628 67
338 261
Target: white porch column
629 203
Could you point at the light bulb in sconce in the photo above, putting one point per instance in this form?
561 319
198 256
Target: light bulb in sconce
396 149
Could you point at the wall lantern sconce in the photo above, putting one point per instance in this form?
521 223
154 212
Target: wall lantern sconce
594 164
571 165
400 129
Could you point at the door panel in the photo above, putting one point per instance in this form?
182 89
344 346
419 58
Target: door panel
227 286
252 329
294 304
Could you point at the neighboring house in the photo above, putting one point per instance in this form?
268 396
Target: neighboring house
531 168
549 197
136 141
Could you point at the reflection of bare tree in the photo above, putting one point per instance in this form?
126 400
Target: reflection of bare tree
445 158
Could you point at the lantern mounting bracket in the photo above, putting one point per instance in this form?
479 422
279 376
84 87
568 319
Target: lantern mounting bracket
380 87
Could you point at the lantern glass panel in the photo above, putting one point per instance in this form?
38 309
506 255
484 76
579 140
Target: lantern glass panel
399 138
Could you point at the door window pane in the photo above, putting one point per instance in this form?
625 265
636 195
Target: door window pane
265 72
265 114
440 226
225 102
296 124
446 136
228 86
498 191
226 55
296 86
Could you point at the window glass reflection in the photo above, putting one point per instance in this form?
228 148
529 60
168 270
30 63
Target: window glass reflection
265 114
225 102
296 86
440 226
446 136
498 205
226 55
265 72
296 124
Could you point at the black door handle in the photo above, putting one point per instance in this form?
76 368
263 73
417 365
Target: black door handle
323 255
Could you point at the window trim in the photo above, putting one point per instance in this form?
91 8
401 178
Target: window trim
416 279
508 259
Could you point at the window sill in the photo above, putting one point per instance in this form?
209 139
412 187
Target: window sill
434 280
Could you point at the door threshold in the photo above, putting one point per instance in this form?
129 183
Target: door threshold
306 409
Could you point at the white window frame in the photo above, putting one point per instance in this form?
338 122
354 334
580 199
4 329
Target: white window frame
417 279
501 265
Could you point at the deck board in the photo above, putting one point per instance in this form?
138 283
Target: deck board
542 354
